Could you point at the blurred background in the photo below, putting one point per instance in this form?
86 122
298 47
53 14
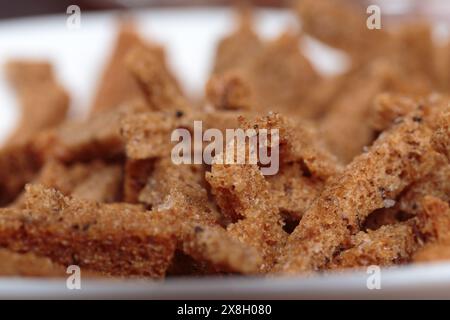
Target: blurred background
11 9
188 29
439 9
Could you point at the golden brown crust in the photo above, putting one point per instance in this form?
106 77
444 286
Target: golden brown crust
56 175
26 73
230 91
281 76
342 24
441 60
28 265
298 142
159 85
220 119
97 138
294 190
322 95
441 137
434 219
13 264
389 108
117 85
135 178
40 111
107 196
399 242
347 126
305 164
386 246
103 185
277 72
384 216
19 164
413 49
238 49
114 239
436 183
398 158
434 225
237 188
433 253
166 179
214 246
176 191
94 181
148 135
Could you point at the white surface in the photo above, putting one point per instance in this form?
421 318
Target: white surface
412 282
190 38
